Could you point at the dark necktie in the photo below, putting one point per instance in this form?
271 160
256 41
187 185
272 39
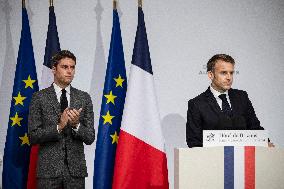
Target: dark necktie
225 105
63 100
64 105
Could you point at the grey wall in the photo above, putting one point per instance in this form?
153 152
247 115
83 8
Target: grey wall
182 34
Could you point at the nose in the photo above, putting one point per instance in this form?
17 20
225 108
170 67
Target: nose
229 77
69 69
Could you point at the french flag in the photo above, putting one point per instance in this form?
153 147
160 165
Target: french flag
140 157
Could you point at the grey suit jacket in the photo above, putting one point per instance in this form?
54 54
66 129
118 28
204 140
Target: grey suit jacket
44 115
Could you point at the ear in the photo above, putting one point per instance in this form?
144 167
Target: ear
53 69
210 75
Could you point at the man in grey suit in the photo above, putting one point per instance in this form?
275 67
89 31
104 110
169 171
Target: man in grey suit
61 119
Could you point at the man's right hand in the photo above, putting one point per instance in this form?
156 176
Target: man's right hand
271 145
63 120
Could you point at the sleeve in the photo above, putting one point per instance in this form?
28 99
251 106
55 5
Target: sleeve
252 120
86 131
38 133
193 126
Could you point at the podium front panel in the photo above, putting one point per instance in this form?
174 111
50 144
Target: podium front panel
229 167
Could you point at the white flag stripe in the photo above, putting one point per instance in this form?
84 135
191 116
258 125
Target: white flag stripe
46 77
141 117
239 167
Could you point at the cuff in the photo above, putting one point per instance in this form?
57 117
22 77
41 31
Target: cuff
58 129
77 128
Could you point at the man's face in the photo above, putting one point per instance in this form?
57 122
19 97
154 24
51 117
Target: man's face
64 72
222 76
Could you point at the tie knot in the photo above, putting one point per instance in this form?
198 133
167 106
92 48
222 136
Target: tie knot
63 91
223 97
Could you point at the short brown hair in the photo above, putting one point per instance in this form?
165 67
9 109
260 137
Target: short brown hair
61 55
212 61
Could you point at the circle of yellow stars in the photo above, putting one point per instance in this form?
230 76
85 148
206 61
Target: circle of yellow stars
19 100
114 138
110 98
119 81
29 82
108 118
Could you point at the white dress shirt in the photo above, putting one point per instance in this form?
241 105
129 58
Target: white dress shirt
58 91
219 100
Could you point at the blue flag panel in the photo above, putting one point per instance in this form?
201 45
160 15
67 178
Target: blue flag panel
17 146
141 53
111 110
52 40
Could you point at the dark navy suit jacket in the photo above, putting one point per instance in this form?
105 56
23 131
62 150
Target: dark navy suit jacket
204 113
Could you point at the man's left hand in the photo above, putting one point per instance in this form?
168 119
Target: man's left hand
73 117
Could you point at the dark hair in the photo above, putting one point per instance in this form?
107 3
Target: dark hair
61 55
212 61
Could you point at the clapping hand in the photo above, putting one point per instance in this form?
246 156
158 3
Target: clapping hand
73 116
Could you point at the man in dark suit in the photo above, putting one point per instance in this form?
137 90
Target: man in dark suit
61 119
219 107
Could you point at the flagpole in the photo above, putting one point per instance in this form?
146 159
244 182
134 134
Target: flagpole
140 3
50 3
114 4
23 3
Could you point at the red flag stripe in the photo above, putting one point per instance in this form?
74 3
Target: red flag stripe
249 167
31 184
139 165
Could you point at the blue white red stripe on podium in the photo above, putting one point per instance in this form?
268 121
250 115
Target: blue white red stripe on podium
239 167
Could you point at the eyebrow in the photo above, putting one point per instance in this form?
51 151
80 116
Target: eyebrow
65 65
227 71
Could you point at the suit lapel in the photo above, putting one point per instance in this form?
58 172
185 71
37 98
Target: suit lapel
212 102
74 99
52 99
233 101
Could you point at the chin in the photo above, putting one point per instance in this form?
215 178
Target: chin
227 88
67 83
69 80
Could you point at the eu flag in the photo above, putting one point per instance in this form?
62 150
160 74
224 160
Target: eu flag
111 110
52 47
17 146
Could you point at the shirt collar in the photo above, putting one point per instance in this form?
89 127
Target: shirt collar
58 89
217 93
